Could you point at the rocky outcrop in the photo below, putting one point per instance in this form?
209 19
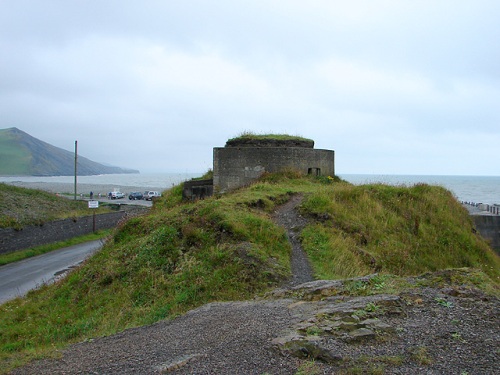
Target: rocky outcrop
350 320
434 324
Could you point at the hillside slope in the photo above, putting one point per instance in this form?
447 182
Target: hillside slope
182 255
20 207
23 155
439 323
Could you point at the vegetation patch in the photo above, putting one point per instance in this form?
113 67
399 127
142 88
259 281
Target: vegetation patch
420 355
16 159
357 230
247 135
249 139
180 256
184 254
21 207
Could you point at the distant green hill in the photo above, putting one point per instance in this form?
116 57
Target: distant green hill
23 155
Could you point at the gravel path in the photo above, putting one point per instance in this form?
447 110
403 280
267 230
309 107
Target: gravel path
425 331
445 329
219 338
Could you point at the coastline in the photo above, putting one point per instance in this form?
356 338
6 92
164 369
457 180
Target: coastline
82 188
472 189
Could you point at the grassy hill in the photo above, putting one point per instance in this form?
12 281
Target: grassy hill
22 154
185 254
15 159
21 206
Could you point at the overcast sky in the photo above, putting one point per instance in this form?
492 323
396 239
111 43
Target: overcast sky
394 87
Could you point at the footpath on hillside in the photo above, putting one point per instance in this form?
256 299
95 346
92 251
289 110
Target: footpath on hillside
288 217
435 326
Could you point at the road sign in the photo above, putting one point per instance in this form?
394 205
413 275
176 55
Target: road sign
93 204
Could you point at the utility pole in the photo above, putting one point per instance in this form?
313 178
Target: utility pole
76 159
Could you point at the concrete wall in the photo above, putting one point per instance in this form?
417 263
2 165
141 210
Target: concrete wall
197 189
240 166
489 228
54 231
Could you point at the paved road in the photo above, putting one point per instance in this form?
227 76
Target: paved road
16 279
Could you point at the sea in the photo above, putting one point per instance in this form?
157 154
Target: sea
471 189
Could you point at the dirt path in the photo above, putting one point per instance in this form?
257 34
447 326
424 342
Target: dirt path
288 217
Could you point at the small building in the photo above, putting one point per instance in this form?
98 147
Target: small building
244 159
198 189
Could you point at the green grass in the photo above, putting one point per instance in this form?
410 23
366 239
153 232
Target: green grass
20 207
184 254
38 250
280 137
359 230
157 266
15 159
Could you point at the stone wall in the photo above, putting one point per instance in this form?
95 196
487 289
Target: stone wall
54 231
489 228
239 166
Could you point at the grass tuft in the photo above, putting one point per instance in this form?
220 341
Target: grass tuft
249 135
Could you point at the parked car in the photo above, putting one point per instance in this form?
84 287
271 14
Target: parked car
136 195
117 195
151 194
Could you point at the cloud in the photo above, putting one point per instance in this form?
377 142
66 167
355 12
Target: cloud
159 84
